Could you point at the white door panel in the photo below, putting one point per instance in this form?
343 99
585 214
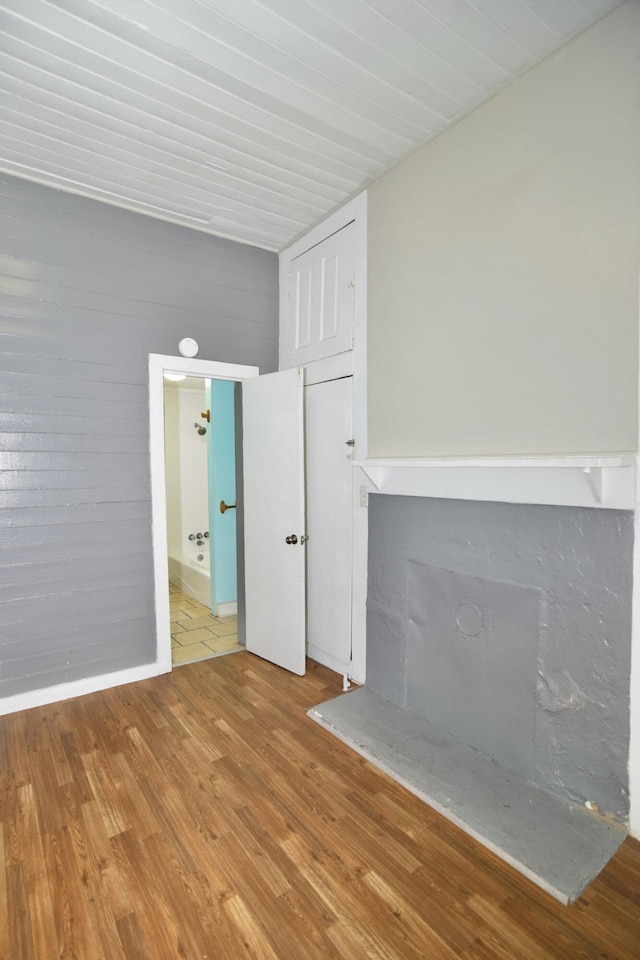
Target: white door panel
328 417
320 291
274 509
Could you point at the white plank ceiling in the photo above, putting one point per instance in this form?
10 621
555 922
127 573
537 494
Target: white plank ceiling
251 119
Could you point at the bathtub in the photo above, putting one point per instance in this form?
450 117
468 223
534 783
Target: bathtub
192 575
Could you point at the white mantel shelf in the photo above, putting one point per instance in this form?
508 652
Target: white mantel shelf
607 481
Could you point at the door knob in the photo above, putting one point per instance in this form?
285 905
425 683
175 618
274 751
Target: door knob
226 506
291 539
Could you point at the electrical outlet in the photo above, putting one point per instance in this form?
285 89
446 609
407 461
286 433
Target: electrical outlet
364 496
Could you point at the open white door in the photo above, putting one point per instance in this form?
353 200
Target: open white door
274 517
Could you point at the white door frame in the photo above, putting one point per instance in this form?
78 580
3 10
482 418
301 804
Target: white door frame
158 365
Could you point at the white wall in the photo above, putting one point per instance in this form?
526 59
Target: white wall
503 267
186 464
174 520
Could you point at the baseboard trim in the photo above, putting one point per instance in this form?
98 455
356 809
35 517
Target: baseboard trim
228 609
333 663
78 688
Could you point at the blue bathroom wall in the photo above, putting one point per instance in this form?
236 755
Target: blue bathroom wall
221 464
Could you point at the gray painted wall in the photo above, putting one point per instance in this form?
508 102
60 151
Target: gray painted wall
509 626
87 291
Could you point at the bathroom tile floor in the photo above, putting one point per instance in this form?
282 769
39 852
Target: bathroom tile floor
195 633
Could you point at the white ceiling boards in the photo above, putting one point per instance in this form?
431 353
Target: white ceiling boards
251 119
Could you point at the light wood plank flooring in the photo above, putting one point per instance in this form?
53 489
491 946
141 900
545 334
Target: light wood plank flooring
202 815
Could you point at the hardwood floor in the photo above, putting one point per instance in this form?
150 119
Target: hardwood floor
202 815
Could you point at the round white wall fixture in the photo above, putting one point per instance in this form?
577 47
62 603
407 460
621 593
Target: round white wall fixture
188 347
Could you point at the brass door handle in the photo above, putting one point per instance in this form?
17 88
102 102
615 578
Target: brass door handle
226 506
206 416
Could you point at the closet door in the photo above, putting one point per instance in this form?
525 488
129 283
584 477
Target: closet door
328 417
320 291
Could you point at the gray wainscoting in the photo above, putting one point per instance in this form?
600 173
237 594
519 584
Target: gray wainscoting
87 291
509 626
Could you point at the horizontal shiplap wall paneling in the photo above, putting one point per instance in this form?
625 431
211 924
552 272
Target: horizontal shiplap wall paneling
87 291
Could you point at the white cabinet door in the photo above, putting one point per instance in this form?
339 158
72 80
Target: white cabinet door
319 319
274 517
328 413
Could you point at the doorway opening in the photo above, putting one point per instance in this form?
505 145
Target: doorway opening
201 520
180 611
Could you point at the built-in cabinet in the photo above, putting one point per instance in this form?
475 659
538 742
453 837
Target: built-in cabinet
319 299
328 419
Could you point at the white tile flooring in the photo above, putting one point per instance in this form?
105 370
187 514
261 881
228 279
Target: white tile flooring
195 633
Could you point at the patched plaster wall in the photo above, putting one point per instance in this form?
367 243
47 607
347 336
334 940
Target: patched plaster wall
509 626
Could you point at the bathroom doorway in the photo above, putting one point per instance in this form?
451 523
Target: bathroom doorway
159 364
201 521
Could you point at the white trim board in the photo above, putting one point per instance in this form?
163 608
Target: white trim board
634 690
78 688
329 368
332 663
229 609
597 481
634 678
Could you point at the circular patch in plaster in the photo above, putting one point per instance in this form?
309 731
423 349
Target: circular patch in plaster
469 619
